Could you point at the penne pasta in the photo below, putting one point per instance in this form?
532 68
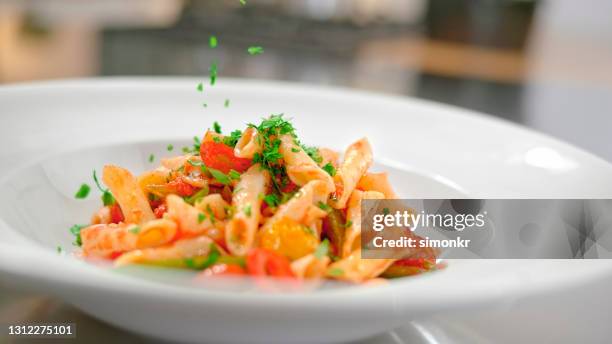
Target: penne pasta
191 221
310 266
357 270
133 202
377 182
328 156
187 248
357 160
248 144
301 169
246 200
352 235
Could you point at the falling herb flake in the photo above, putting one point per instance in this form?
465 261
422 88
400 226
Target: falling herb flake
217 127
59 249
170 147
386 211
213 73
200 87
322 249
204 105
227 103
83 191
151 158
243 2
255 50
76 231
212 41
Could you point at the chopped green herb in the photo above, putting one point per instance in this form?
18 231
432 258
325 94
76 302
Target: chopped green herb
201 217
227 103
212 41
330 169
211 214
83 191
107 196
135 230
217 127
335 272
247 210
220 176
233 138
59 249
200 87
322 249
324 206
386 211
243 2
313 152
211 259
151 158
203 192
170 147
204 105
216 139
76 231
272 200
348 224
255 50
213 73
295 150
186 149
234 174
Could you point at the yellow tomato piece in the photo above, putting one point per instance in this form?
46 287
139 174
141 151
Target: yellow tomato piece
289 238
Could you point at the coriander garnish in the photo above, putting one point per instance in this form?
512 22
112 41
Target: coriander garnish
212 41
169 148
217 127
151 158
335 272
330 169
322 249
83 191
255 50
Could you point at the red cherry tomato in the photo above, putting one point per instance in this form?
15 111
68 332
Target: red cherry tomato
182 188
221 157
223 270
116 213
263 262
160 210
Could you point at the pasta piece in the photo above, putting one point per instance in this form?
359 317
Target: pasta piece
213 203
310 266
174 163
103 216
328 156
300 167
377 182
357 270
150 182
302 207
357 160
352 235
105 240
129 196
213 136
193 222
156 233
181 249
246 200
248 144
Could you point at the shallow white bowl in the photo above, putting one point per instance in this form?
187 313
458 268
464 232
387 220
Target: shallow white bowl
53 134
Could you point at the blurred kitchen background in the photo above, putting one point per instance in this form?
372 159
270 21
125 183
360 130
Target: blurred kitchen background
545 64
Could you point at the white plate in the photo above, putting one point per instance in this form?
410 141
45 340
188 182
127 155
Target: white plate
53 134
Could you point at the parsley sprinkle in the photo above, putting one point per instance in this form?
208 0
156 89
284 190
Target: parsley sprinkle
330 169
151 158
213 73
212 41
217 127
243 2
233 138
247 210
211 214
386 211
135 230
348 224
200 87
76 231
324 206
227 103
107 196
170 148
204 105
220 176
322 249
201 217
335 272
83 191
255 50
59 249
295 150
272 200
234 174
